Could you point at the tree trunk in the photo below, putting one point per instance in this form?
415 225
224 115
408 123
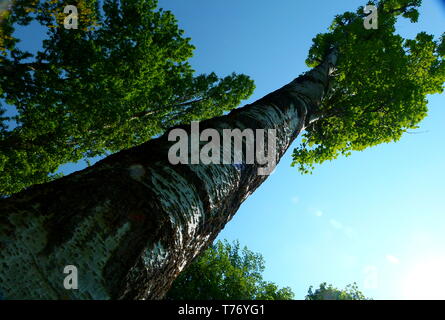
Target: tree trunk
133 221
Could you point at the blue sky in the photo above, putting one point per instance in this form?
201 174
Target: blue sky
375 218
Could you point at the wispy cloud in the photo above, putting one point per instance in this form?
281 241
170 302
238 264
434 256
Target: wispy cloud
295 200
315 211
392 259
348 231
336 224
370 277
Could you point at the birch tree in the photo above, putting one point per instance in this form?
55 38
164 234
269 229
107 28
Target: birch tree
120 78
133 221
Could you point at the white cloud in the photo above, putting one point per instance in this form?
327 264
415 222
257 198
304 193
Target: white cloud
295 200
371 279
318 213
392 259
348 231
336 224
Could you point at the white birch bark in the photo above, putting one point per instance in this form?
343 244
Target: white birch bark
133 221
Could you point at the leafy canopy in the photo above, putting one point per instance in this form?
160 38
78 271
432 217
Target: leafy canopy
119 79
328 292
226 272
379 87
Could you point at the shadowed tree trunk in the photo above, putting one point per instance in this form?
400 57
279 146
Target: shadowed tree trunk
133 221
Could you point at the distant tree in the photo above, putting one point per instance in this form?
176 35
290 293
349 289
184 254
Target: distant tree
225 271
329 292
119 79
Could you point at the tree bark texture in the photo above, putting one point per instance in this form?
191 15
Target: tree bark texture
133 221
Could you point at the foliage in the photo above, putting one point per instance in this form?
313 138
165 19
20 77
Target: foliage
328 292
379 87
225 272
119 79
